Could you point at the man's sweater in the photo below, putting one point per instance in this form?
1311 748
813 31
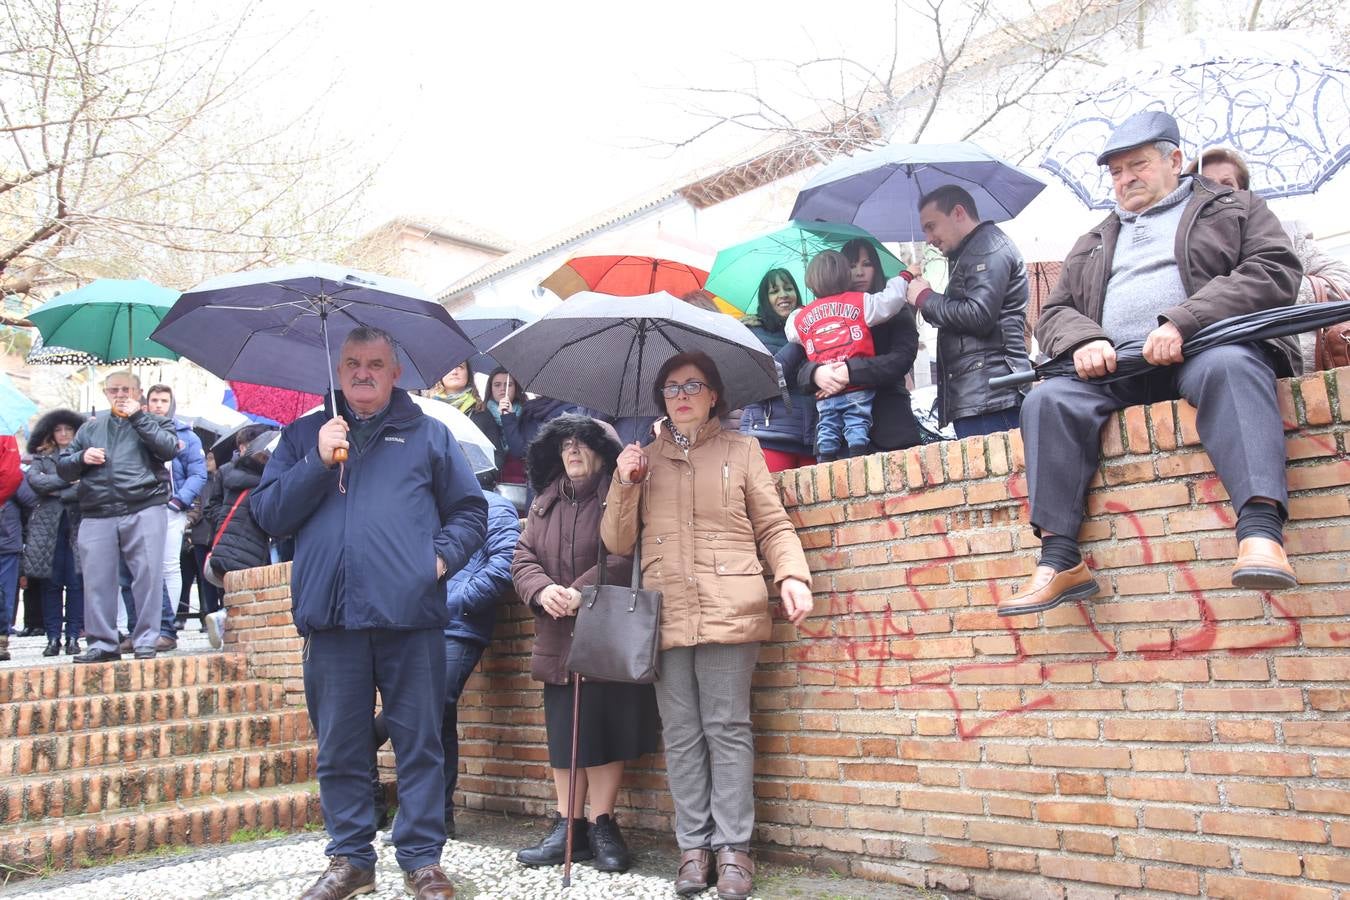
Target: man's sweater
1145 279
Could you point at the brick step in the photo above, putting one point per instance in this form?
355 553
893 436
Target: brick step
69 714
123 787
67 679
86 749
83 840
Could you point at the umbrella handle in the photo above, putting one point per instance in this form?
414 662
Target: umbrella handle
339 454
572 779
1014 379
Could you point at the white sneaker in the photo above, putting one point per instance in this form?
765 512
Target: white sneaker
215 628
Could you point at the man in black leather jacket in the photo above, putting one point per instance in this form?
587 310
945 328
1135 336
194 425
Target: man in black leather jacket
981 317
118 458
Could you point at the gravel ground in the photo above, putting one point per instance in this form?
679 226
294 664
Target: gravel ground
482 867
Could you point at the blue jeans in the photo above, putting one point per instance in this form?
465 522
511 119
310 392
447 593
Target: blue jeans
988 423
65 578
9 591
845 420
461 657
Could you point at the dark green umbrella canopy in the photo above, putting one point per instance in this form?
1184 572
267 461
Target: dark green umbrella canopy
738 270
110 319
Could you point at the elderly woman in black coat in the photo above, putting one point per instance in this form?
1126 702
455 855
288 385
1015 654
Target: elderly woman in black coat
570 463
49 553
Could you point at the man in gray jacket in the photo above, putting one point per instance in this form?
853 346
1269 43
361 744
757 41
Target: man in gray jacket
1177 254
118 457
981 317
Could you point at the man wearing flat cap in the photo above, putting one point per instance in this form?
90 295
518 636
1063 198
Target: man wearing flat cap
1177 253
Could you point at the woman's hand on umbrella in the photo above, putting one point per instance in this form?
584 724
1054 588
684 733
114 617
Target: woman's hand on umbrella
1162 347
504 406
632 465
332 435
797 600
1094 359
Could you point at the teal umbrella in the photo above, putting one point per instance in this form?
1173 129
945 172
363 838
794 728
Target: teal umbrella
738 270
15 407
107 318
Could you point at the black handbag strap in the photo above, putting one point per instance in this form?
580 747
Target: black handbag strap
602 561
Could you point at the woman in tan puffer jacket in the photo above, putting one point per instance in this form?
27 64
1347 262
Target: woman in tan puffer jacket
709 511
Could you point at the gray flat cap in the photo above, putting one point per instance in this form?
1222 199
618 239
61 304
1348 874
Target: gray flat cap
1141 128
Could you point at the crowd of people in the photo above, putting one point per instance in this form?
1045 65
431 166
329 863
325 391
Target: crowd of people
128 491
403 552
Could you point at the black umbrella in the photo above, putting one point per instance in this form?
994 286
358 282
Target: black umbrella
1262 325
603 352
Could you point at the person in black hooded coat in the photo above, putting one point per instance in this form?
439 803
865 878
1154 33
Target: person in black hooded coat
241 544
50 553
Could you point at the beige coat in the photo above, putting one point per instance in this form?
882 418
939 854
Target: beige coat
707 519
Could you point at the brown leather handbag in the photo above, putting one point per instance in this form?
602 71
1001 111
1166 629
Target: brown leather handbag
1333 342
617 634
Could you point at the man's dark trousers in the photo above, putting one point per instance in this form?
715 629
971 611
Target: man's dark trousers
343 669
1237 417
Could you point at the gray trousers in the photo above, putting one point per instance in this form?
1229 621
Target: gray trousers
1237 417
139 539
704 697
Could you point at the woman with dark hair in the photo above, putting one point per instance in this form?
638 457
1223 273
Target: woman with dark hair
896 344
708 511
50 551
570 462
785 434
238 542
457 389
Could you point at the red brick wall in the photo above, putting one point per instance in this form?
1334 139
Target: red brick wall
1172 737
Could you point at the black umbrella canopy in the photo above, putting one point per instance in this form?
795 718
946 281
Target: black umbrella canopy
1263 325
603 352
268 327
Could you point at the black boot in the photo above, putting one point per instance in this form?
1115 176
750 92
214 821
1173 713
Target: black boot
549 851
72 646
53 647
611 853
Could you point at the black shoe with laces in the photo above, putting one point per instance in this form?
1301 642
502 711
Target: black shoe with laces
611 853
549 851
53 648
72 646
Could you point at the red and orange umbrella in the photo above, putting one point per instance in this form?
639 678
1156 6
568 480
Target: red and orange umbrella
624 276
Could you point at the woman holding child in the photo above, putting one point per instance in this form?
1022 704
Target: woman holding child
785 433
895 344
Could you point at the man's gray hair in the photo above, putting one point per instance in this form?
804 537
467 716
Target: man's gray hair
1165 148
369 334
123 373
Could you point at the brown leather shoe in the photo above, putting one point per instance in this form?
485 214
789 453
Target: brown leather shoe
1049 589
734 874
428 883
1263 566
340 881
698 869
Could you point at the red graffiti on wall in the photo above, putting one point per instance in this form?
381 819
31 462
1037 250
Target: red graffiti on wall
877 644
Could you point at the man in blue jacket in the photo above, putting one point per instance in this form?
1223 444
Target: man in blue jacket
375 537
471 596
187 477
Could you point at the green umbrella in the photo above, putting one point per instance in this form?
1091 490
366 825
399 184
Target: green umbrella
738 270
106 318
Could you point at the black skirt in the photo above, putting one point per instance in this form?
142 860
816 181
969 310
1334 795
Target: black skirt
618 722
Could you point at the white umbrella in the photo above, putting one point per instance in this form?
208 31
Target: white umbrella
478 450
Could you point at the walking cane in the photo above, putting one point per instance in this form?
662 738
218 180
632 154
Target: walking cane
572 779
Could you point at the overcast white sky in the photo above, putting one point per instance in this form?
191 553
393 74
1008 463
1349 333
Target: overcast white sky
525 117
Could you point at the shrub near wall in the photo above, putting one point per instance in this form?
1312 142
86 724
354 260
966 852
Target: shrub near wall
1174 736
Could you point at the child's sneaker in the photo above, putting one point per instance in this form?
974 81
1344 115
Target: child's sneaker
215 628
